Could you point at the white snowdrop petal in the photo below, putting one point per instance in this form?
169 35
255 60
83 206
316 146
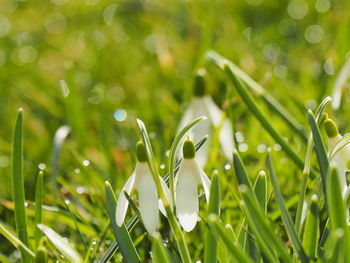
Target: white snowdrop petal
226 139
148 202
213 110
168 195
186 199
123 203
339 84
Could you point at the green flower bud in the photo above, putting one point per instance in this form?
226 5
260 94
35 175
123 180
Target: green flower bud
199 83
41 255
331 128
189 150
141 152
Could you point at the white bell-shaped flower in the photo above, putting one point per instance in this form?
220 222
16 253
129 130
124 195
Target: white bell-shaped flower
142 180
189 177
203 105
342 158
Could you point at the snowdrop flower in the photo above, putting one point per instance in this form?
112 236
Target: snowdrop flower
203 105
342 158
142 180
190 175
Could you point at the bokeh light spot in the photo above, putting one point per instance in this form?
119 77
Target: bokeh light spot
120 115
55 23
314 34
27 54
5 26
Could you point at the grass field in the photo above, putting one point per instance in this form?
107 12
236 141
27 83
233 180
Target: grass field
82 72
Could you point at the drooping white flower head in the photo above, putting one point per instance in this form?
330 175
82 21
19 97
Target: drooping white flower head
342 158
203 105
142 180
189 177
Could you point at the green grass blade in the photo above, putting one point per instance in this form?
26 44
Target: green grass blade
38 207
41 255
210 244
241 172
311 231
286 218
320 149
61 245
125 243
261 228
260 190
14 240
218 229
337 210
335 245
18 184
173 152
252 106
219 60
159 252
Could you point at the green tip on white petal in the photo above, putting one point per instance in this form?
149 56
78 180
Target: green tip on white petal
199 83
189 150
331 128
141 152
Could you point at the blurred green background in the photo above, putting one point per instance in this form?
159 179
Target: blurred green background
97 65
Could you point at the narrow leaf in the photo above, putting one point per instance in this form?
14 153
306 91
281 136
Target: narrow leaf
38 206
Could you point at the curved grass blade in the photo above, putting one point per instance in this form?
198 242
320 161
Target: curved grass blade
18 184
210 244
134 219
321 153
122 236
14 240
286 218
311 231
252 106
61 245
173 150
38 207
217 228
241 172
219 60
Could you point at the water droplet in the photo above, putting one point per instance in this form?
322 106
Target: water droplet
329 66
4 161
55 23
77 171
243 147
261 148
227 166
322 5
5 26
64 88
152 135
26 204
277 147
297 9
42 166
280 71
67 202
86 162
27 54
120 115
314 34
162 166
239 136
167 153
80 189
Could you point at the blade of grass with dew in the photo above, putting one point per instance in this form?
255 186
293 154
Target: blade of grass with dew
159 252
134 219
38 207
219 60
210 244
18 184
173 152
179 237
252 106
286 218
15 241
61 245
336 208
320 149
232 247
122 236
307 164
311 231
261 227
